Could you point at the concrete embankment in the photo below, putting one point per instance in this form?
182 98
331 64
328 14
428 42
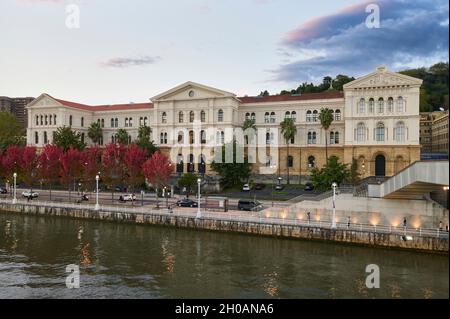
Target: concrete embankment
387 240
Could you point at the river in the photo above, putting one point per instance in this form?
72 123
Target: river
134 261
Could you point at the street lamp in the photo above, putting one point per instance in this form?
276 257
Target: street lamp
199 214
273 167
333 224
97 206
15 189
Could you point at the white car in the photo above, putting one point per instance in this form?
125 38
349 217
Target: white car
127 198
30 194
246 188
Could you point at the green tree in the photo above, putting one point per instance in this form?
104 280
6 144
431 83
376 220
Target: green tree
237 170
354 174
95 132
326 118
11 132
333 171
188 180
288 130
65 137
122 137
143 140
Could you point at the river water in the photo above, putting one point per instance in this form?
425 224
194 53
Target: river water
134 261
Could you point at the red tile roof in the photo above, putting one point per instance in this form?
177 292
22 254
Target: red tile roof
289 97
115 107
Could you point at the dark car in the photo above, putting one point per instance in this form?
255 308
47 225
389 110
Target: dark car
3 190
308 187
186 202
249 205
259 187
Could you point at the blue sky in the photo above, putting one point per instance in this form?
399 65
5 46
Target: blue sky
130 50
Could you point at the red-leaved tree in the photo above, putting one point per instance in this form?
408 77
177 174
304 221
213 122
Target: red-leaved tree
92 164
134 158
157 171
113 165
49 165
12 161
71 168
29 165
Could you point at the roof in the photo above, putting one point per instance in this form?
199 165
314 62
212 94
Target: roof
289 97
115 107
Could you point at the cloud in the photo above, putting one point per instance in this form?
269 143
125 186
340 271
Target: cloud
128 62
411 33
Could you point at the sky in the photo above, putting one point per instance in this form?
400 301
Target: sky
121 51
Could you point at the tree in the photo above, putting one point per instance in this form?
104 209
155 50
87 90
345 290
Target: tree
11 132
29 164
12 161
91 158
113 165
354 174
233 173
333 171
157 171
95 132
143 140
49 165
289 130
66 138
188 180
122 136
134 158
71 167
326 118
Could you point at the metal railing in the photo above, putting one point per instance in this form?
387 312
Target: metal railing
251 217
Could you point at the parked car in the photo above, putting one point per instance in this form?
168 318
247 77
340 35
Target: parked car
3 190
127 198
259 187
249 205
308 187
246 188
30 194
186 202
279 187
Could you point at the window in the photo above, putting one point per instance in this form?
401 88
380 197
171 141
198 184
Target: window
371 105
37 120
253 117
45 138
266 117
337 115
380 108
290 161
36 138
334 138
309 116
222 137
116 122
312 138
82 121
180 137
145 120
399 132
311 162
220 116
141 121
70 120
272 117
361 132
163 138
379 132
164 117
293 140
112 122
103 122
82 137
287 115
46 120
315 116
400 104
390 105
191 137
267 138
191 116
202 137
362 106
180 117
247 116
294 116
130 122
268 161
203 116
126 122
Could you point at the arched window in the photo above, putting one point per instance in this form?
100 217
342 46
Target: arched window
202 137
290 161
126 122
46 139
70 120
253 117
82 121
191 137
191 116
371 105
390 105
311 161
191 166
222 137
180 164
266 117
180 137
46 120
130 122
145 121
164 117
400 104
161 138
362 106
112 122
334 138
116 122
180 117
247 116
399 132
141 121
267 138
315 116
308 116
220 116
203 116
380 108
287 115
272 117
37 120
331 138
337 115
36 138
312 137
202 164
379 132
361 132
294 116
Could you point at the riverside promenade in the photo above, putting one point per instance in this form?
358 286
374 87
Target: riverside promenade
255 223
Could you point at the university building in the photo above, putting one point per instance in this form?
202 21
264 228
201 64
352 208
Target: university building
376 123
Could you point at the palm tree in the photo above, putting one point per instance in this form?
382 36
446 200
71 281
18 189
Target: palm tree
326 118
95 132
289 130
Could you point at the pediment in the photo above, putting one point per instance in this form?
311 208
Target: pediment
192 91
383 78
44 100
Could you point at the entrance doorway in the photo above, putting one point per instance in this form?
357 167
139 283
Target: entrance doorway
380 165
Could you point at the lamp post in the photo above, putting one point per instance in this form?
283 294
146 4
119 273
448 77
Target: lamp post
97 206
273 167
333 223
199 214
14 201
